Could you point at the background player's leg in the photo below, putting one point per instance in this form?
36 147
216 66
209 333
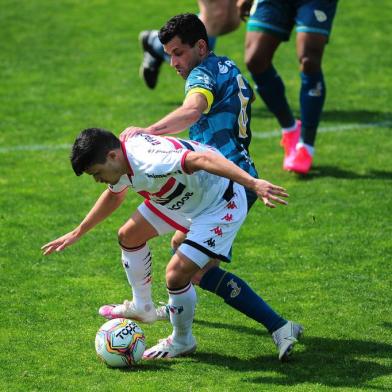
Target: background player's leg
259 51
310 48
219 16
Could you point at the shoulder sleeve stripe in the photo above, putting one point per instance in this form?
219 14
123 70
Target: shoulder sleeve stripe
207 93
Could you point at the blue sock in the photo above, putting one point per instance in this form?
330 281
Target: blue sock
312 97
241 297
272 91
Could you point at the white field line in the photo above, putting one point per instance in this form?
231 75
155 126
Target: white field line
337 128
257 135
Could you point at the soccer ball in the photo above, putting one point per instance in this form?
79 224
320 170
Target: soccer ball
120 342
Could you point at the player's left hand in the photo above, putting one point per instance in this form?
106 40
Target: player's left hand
270 193
130 132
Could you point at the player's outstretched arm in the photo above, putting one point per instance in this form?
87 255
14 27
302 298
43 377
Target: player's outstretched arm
217 164
107 203
176 121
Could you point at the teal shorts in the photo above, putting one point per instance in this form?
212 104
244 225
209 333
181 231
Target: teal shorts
278 17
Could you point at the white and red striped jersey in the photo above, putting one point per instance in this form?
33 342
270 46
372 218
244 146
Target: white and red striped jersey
156 166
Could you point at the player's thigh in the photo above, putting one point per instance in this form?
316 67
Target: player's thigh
275 17
136 231
315 16
219 16
180 270
259 50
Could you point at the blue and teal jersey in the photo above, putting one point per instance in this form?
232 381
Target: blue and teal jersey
225 124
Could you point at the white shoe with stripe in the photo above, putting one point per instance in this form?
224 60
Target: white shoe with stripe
166 348
286 337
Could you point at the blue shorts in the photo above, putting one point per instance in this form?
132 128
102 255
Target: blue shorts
278 17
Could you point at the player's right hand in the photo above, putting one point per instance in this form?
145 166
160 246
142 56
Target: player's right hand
60 243
130 132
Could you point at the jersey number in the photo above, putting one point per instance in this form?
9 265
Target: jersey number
243 117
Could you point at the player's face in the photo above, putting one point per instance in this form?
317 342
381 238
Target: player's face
108 172
184 57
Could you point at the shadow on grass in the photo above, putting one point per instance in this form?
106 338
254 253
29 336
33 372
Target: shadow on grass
336 172
335 116
232 327
330 362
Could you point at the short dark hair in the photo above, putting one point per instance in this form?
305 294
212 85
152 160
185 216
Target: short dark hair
91 147
188 27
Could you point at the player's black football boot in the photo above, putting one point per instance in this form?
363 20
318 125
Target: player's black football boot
149 69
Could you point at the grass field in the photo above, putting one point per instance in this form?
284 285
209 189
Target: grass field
325 260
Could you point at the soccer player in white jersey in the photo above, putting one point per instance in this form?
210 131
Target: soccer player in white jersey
187 186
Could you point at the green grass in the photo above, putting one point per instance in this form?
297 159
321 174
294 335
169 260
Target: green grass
325 260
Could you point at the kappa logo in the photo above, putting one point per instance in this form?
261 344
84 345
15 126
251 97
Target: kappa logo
210 242
125 264
320 16
228 217
175 309
316 92
235 288
217 230
231 205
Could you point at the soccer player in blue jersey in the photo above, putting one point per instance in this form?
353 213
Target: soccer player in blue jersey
219 17
217 110
270 23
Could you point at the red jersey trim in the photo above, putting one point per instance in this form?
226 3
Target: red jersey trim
165 188
168 220
183 162
175 143
124 150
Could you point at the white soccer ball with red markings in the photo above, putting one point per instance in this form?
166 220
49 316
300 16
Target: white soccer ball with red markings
120 343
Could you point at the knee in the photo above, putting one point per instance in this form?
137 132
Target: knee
174 278
255 62
310 64
127 239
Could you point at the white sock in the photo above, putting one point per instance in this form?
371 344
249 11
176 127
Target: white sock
182 305
290 129
309 148
137 265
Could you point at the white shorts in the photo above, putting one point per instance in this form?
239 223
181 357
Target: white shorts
209 235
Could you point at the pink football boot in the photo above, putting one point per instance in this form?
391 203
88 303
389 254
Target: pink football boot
301 161
288 142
